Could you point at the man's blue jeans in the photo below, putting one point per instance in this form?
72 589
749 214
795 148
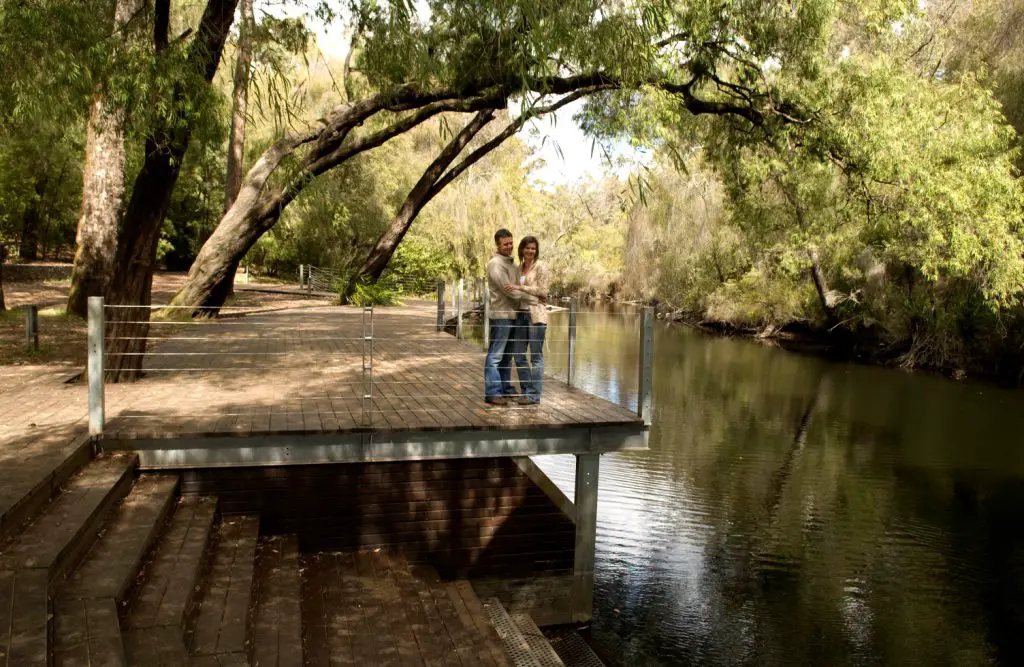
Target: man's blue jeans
529 337
498 366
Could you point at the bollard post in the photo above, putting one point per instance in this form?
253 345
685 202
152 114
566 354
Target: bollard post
95 367
246 274
302 276
440 304
643 399
571 373
32 327
458 311
487 314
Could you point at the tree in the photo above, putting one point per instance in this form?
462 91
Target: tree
103 180
472 56
165 146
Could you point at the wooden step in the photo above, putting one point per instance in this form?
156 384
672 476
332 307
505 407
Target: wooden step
163 601
113 563
223 620
277 620
24 613
34 472
515 644
535 639
87 632
371 608
86 626
64 530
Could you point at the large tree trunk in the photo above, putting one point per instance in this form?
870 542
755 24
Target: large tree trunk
236 141
825 296
32 219
102 191
418 197
256 210
102 187
151 196
435 179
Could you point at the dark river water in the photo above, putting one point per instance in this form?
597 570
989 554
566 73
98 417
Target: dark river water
795 511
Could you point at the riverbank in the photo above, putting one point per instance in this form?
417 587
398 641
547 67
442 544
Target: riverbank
869 346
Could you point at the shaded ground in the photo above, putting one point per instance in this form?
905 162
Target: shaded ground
62 337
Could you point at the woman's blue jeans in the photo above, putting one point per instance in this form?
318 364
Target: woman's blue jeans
529 337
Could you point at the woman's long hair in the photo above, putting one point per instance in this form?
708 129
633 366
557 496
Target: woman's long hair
525 241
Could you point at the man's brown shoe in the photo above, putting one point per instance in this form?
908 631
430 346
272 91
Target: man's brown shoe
525 400
497 400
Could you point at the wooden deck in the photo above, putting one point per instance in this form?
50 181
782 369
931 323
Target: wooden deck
371 608
274 376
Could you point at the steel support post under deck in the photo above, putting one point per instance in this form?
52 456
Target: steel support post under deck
582 601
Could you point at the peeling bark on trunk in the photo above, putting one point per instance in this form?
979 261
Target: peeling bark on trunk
256 210
418 197
151 195
821 287
102 189
102 192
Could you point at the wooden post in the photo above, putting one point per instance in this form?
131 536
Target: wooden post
246 274
95 367
32 327
368 365
571 373
487 314
458 311
302 275
643 399
440 304
585 500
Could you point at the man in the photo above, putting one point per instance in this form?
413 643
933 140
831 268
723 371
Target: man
501 272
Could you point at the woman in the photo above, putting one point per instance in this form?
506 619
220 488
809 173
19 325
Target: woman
531 320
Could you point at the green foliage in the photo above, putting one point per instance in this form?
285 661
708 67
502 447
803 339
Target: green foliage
370 294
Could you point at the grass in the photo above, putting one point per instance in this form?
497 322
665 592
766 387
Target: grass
61 338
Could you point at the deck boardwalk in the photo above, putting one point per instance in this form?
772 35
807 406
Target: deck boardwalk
411 392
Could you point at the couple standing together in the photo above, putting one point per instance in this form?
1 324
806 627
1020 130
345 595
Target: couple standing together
518 321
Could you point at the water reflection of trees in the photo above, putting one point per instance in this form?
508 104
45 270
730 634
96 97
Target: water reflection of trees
793 511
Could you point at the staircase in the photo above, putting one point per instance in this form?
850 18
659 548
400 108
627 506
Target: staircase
102 566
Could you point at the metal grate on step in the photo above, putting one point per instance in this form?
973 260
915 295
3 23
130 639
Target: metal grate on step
513 640
575 652
537 642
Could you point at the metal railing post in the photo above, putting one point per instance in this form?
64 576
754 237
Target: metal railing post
32 327
458 312
302 276
440 304
487 314
95 367
643 400
571 372
368 365
309 280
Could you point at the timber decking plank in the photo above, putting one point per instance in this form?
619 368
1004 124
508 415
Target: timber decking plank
169 581
34 471
24 618
59 536
277 618
87 632
111 566
396 618
223 617
315 585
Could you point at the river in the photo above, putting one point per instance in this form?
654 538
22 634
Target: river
796 511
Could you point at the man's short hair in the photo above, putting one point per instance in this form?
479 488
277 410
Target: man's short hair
500 234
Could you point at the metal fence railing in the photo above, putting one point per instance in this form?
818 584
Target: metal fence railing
373 366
